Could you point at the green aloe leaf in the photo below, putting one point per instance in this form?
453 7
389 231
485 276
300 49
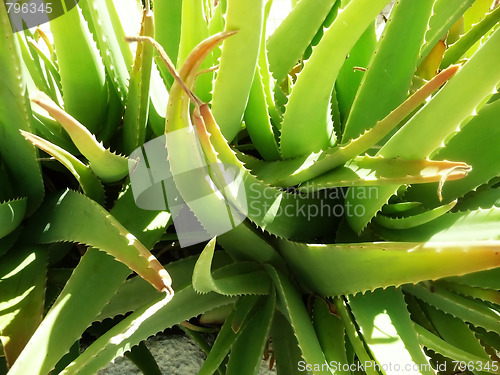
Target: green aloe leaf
246 354
108 35
194 29
477 225
467 41
227 335
244 309
455 331
350 77
258 122
490 197
106 233
286 351
399 208
138 100
143 359
307 126
386 82
331 334
22 286
168 16
33 66
90 184
239 278
413 220
291 305
137 292
18 154
475 144
376 171
216 24
475 13
144 322
389 332
11 214
360 349
82 72
445 14
437 120
107 165
485 295
289 41
440 346
485 279
244 243
237 64
7 242
49 129
468 310
368 266
71 314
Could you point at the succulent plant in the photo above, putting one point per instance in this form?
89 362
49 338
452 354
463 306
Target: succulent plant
341 187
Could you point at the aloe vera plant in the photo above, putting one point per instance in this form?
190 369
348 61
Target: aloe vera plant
342 186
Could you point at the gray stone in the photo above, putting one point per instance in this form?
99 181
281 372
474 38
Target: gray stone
175 354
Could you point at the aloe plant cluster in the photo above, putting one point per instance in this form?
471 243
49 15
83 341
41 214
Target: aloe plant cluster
363 198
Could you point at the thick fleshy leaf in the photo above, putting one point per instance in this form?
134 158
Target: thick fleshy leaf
237 64
470 311
246 354
375 98
71 314
19 155
105 233
473 84
90 184
389 332
22 287
239 278
106 165
368 266
11 215
291 305
331 334
289 41
146 321
306 124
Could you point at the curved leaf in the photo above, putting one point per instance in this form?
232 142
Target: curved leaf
146 321
368 266
105 233
437 120
19 155
240 278
389 332
289 41
237 64
106 165
11 215
90 184
71 314
306 124
22 286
